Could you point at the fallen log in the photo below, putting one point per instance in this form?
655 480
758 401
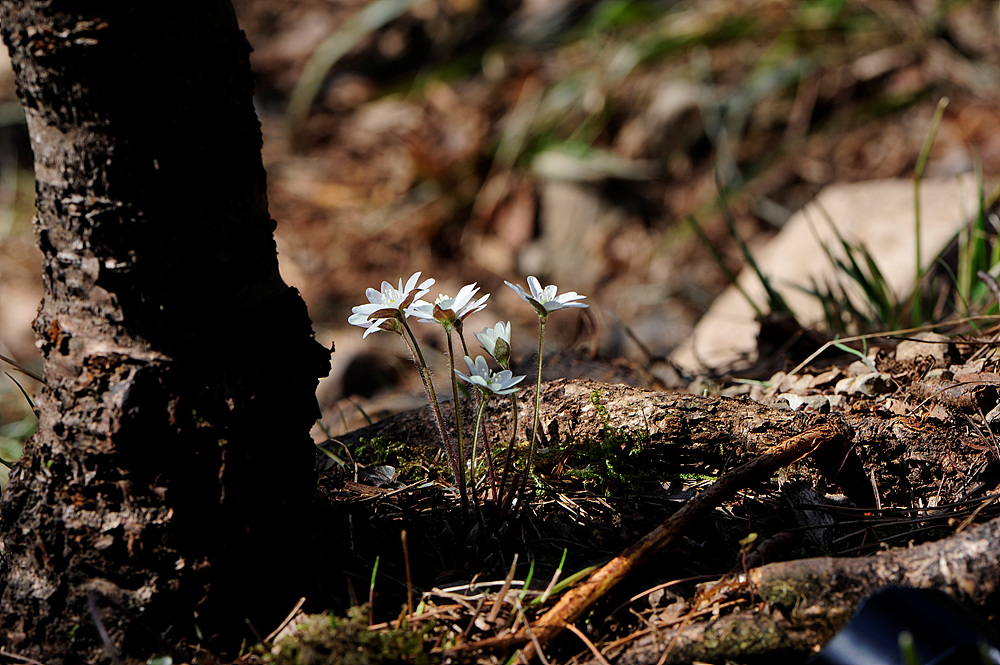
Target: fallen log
809 600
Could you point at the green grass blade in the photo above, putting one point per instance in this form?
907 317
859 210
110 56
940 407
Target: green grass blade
24 392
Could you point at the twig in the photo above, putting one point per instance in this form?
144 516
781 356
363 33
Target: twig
288 619
22 369
175 652
578 600
533 648
95 614
598 656
21 659
409 575
472 619
502 595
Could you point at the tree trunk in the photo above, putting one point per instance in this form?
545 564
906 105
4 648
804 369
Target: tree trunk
180 369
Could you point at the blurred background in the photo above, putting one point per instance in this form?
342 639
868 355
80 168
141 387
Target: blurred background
479 141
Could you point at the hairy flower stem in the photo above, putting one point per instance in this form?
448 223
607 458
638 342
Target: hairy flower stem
480 398
475 439
538 407
456 402
510 447
425 376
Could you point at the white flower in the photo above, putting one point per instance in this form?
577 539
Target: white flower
545 300
480 375
450 311
384 308
496 341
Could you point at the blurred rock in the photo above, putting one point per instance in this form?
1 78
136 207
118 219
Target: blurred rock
576 226
926 344
874 383
878 215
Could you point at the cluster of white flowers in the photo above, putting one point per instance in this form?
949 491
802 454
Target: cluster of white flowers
389 308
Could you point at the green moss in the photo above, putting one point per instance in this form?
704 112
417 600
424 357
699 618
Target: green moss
618 461
379 451
323 639
407 460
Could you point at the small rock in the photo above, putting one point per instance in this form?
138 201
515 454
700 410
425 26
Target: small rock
826 378
837 402
819 403
969 368
925 344
736 390
874 383
940 374
796 383
858 368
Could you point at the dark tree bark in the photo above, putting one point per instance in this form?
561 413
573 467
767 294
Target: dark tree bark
172 459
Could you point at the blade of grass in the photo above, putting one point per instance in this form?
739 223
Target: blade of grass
527 580
775 302
918 175
498 603
371 594
366 21
720 262
555 578
854 352
24 392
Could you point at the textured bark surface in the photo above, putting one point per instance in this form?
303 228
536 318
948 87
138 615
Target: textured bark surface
169 450
809 600
688 433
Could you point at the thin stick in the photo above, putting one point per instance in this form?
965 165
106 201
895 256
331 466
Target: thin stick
95 614
22 659
409 576
533 648
502 594
175 652
22 369
891 333
598 656
288 620
575 602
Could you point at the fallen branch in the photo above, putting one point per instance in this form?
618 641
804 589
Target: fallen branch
579 599
965 565
809 600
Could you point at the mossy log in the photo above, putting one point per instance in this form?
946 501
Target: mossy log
809 600
898 456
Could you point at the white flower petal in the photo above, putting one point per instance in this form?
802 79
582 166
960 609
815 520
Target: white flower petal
547 300
498 383
535 286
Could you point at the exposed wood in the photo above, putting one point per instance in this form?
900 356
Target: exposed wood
809 600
